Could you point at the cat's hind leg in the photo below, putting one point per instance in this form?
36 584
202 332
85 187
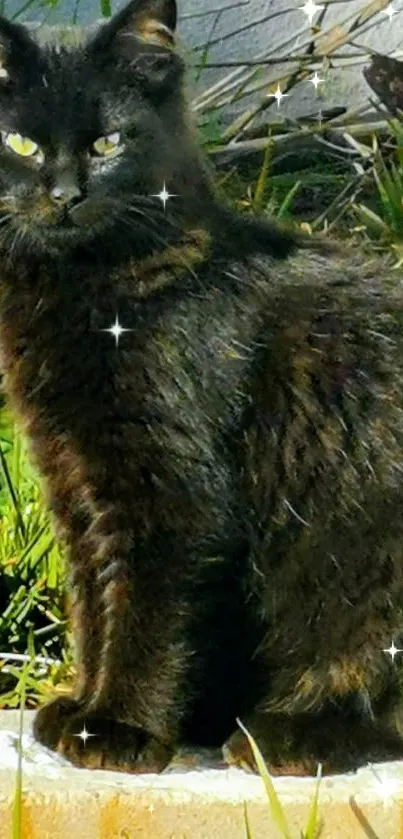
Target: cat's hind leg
337 737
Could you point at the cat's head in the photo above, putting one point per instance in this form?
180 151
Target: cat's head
91 130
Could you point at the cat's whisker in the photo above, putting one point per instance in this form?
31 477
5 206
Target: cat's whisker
155 211
149 219
19 237
133 210
5 234
153 221
138 225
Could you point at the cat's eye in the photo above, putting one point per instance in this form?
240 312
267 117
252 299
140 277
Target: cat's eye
20 145
106 145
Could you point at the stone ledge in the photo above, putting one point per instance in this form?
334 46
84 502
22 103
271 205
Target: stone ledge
61 802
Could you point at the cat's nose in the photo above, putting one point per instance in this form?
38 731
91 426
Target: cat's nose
66 194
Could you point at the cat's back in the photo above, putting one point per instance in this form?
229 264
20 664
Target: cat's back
347 279
328 308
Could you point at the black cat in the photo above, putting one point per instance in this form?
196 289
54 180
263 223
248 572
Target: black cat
227 474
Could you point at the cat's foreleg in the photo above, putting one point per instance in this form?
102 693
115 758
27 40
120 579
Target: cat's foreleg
85 617
133 708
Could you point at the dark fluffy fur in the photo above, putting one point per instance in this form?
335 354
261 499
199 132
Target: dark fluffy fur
229 478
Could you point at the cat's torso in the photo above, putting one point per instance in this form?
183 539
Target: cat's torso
231 358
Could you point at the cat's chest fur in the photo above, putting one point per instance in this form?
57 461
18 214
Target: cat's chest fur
156 406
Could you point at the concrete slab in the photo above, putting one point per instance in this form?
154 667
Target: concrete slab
61 802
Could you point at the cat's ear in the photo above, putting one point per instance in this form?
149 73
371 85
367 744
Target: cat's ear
150 21
17 50
142 35
385 76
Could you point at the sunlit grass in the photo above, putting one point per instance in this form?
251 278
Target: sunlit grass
17 802
32 572
385 223
312 829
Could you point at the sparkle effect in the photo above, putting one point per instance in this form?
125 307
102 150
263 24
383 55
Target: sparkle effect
386 787
84 735
164 195
310 9
116 330
389 11
315 80
278 95
393 651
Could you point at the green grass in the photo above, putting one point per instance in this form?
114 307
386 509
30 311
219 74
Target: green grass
17 803
385 223
32 598
380 214
312 828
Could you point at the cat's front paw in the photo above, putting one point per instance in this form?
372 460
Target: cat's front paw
50 720
94 741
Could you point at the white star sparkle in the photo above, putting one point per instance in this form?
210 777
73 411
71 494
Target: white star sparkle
164 195
315 80
116 330
389 11
392 651
386 787
278 95
310 9
84 735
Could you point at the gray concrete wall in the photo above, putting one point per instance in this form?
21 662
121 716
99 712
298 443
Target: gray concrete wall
345 86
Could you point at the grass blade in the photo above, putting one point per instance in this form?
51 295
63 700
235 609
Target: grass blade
262 179
283 209
17 804
276 809
311 830
247 825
